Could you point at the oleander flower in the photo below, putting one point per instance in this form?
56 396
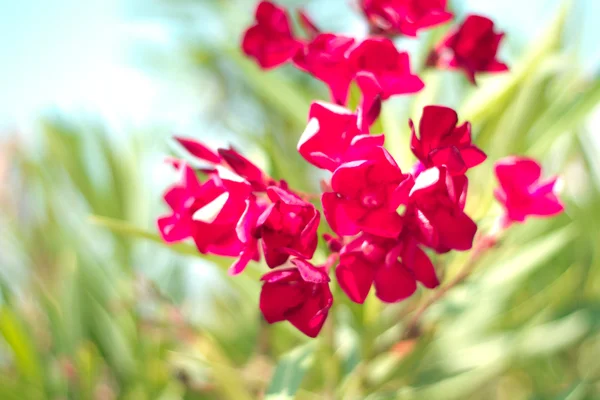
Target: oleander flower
435 211
523 193
442 143
390 67
392 266
270 40
332 136
365 196
325 58
472 47
405 17
207 212
287 227
299 294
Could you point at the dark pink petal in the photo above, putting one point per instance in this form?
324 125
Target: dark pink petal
309 272
245 168
455 231
199 150
239 265
337 216
310 317
394 283
276 301
421 266
451 158
472 156
173 229
382 222
350 178
436 122
370 106
355 277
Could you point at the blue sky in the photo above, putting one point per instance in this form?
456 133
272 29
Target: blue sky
73 55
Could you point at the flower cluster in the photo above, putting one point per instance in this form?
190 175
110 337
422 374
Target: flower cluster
385 222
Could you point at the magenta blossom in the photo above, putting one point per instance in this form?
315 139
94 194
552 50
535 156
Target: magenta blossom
442 143
405 17
365 196
325 58
391 265
287 227
435 211
207 212
333 137
300 295
471 47
390 67
270 41
523 193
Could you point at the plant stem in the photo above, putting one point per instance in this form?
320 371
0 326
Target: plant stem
482 245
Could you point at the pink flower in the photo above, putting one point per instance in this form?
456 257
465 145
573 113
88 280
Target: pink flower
442 143
270 40
471 47
287 227
391 265
435 211
300 295
325 58
523 193
365 196
333 137
390 67
405 16
208 212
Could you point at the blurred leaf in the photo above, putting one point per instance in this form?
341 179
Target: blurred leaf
278 93
289 372
495 94
21 343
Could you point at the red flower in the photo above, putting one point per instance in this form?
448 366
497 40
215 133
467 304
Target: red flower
390 67
325 58
442 143
472 47
332 137
435 211
208 212
392 266
287 227
405 16
270 40
521 191
300 295
366 194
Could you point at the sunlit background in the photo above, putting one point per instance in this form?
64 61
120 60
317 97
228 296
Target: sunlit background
95 307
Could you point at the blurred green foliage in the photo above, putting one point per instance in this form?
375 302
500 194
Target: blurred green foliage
82 315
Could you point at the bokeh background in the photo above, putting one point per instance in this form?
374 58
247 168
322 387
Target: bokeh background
93 306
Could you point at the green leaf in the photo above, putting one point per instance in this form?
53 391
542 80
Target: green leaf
20 342
507 271
290 371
